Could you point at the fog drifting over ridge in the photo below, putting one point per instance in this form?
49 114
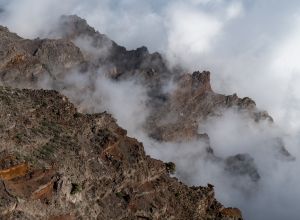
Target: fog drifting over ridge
245 44
251 47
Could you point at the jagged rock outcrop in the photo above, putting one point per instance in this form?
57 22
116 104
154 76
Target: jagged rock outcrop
174 116
71 165
119 63
24 63
56 163
193 101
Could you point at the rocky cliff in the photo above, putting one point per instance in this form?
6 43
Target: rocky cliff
31 63
56 163
60 163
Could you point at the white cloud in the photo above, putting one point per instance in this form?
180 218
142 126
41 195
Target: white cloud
286 53
190 31
251 47
234 10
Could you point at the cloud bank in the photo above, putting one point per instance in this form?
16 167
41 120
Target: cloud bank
251 47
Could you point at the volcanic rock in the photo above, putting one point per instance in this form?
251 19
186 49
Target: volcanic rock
59 163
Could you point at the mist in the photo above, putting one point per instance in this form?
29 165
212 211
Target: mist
278 184
251 47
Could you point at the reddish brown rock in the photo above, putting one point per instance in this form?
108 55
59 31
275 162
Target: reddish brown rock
87 166
14 172
36 185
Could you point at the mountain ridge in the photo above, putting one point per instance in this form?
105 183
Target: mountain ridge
67 165
78 52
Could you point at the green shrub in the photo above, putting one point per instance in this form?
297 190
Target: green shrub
171 167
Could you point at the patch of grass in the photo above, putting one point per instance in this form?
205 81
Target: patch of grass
52 127
47 150
21 137
57 144
31 159
76 188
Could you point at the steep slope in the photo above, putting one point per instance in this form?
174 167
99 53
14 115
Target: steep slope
81 53
192 101
56 163
73 62
32 62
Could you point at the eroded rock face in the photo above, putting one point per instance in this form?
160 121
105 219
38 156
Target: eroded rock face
89 165
192 102
174 116
61 164
23 63
119 63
